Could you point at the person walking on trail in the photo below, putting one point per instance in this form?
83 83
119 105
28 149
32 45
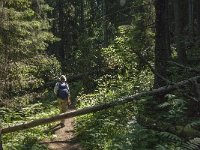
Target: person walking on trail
61 89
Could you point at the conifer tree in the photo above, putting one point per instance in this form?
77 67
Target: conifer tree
24 36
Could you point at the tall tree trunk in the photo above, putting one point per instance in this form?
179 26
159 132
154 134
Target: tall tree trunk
105 30
54 46
162 53
82 21
93 9
191 16
198 21
1 50
179 34
6 51
1 146
61 30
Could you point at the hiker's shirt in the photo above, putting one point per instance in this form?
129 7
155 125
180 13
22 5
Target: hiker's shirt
58 84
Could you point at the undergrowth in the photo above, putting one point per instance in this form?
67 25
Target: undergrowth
170 127
29 139
114 128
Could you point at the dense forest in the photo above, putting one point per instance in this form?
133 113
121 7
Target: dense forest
132 67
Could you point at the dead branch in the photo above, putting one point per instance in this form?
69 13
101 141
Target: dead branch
151 68
184 67
196 83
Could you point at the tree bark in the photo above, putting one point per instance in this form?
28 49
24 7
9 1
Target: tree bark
162 47
1 146
198 21
150 67
61 29
96 108
191 17
179 34
82 20
105 30
2 65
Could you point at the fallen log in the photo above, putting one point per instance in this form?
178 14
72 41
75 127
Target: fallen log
96 108
72 78
97 73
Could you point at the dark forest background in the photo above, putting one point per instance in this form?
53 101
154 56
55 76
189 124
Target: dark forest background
107 49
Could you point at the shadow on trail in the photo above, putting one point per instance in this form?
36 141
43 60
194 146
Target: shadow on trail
71 141
65 138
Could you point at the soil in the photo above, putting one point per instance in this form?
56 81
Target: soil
65 138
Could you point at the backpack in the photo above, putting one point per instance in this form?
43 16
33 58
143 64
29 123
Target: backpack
63 90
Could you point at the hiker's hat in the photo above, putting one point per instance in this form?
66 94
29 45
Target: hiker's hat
63 78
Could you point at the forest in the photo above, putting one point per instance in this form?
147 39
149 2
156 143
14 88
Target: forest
132 67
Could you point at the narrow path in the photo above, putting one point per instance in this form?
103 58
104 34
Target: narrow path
65 138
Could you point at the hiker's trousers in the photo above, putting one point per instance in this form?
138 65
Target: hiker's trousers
63 106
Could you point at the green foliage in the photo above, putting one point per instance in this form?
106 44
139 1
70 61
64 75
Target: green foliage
194 123
173 108
117 128
33 74
25 67
120 53
109 128
192 144
24 36
83 29
106 127
31 138
170 136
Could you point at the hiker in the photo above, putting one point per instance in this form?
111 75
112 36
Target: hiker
61 89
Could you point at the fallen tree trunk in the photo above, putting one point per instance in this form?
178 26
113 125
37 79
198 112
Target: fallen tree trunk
72 78
97 73
96 108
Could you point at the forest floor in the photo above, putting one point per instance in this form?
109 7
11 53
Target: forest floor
65 138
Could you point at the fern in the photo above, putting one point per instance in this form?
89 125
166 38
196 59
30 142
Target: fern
193 124
160 147
164 105
193 144
170 136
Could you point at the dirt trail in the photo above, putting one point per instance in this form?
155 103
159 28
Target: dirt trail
65 138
